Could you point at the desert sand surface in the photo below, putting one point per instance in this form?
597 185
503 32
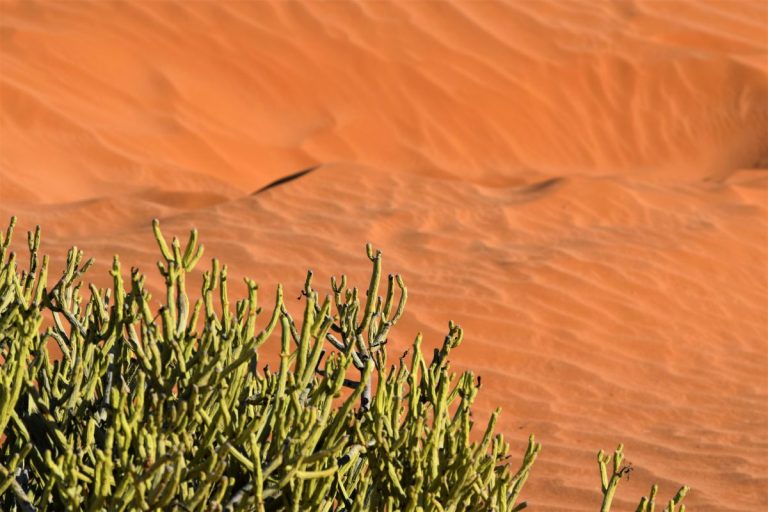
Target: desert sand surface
582 186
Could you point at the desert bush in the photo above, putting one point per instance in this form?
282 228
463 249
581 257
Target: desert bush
610 481
167 409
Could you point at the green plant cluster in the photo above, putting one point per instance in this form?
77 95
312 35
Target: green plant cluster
610 481
168 409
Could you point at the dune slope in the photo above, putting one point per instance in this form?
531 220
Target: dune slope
582 186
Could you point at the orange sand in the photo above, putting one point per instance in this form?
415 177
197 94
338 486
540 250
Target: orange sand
582 186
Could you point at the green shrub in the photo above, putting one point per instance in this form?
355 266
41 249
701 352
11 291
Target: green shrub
167 409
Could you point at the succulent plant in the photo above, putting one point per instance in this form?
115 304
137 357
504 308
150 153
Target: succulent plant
168 409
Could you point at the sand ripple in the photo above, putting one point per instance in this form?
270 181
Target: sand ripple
582 186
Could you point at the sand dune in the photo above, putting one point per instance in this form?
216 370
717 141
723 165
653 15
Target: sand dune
584 187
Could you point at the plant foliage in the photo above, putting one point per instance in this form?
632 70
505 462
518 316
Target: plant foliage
167 409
